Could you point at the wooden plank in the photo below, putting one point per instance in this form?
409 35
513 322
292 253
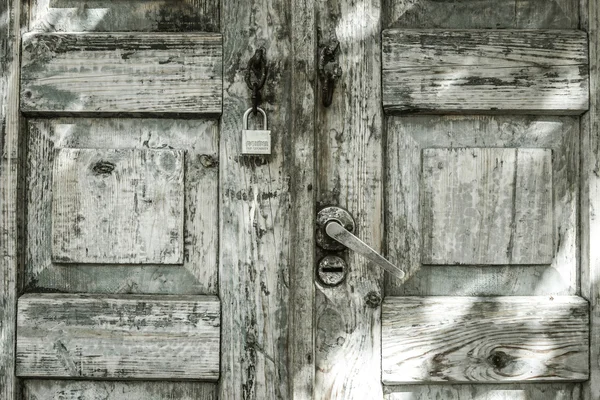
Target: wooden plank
525 391
350 165
254 208
124 16
473 14
487 206
484 340
442 71
110 390
493 339
134 336
121 73
406 139
590 204
198 138
10 178
118 206
301 150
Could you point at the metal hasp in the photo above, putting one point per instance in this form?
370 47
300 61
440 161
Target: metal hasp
329 69
256 76
334 223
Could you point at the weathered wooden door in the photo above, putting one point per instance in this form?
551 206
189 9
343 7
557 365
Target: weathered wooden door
145 258
469 180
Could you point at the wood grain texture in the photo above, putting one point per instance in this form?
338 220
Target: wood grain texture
121 73
477 14
124 15
590 196
487 206
526 391
458 71
350 171
469 339
406 139
110 390
10 201
118 206
199 140
134 336
301 331
255 207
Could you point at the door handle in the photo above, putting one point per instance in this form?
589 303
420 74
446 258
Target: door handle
337 232
337 224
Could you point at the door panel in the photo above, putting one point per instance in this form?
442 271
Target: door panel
118 337
197 138
507 194
487 71
470 14
124 15
114 73
37 389
484 339
408 137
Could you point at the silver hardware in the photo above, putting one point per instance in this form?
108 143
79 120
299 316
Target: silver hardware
332 214
256 141
333 221
332 270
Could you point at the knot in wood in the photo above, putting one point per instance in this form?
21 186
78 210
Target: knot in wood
103 168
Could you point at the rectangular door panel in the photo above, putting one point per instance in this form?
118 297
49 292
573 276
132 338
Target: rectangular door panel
193 143
43 389
487 206
484 340
124 15
118 206
469 14
534 248
133 336
121 72
441 71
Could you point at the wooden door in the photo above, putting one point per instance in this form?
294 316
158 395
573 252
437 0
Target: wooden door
469 179
145 258
120 145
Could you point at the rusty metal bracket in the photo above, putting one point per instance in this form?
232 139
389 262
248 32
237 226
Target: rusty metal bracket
329 69
256 76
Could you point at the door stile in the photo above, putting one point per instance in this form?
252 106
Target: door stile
10 177
590 197
350 154
301 149
267 205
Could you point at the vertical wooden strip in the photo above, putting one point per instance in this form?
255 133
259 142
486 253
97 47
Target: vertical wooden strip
254 227
302 162
349 143
9 178
590 200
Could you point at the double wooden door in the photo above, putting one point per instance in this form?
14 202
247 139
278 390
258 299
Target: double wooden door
160 263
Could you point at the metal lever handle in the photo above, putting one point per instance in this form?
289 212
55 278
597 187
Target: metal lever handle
337 232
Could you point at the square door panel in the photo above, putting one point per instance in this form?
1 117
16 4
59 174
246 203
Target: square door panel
487 206
151 183
118 206
482 205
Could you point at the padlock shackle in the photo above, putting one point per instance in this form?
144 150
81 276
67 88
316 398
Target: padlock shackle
247 113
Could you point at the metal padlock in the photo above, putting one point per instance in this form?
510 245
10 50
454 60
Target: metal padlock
256 142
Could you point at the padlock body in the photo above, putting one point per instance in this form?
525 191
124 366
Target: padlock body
256 142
